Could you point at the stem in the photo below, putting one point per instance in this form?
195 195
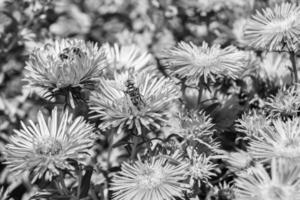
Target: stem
79 174
294 65
134 147
200 91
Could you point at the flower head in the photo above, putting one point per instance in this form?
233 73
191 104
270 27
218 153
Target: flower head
190 62
285 103
122 58
195 128
274 29
49 145
140 103
283 184
201 168
65 67
280 141
252 123
156 179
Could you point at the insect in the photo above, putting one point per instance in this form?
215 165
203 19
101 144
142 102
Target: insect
133 92
70 53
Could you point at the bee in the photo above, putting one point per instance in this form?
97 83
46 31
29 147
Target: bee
133 92
70 53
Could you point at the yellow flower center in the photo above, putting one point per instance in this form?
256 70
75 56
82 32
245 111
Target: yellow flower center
276 193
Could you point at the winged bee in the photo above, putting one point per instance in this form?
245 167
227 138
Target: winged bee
69 53
133 92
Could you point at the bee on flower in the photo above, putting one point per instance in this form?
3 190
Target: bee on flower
202 63
274 29
153 179
45 148
135 103
65 67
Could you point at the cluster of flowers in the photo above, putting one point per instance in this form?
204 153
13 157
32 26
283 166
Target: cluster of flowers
173 151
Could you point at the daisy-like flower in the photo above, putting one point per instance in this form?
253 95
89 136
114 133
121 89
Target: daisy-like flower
223 191
65 67
280 141
274 29
195 128
48 146
283 184
195 63
122 58
252 123
285 103
156 179
200 169
139 103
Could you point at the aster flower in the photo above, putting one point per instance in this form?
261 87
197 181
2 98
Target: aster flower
65 67
223 191
280 141
47 146
140 103
195 128
200 169
191 62
285 103
122 58
274 29
282 184
251 123
155 179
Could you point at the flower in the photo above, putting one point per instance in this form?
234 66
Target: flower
155 179
200 169
143 105
122 58
65 67
195 128
283 184
280 141
223 191
285 103
252 123
274 29
190 62
48 146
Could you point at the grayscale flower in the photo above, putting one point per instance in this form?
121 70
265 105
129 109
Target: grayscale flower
274 29
47 146
195 63
65 67
156 179
140 103
282 184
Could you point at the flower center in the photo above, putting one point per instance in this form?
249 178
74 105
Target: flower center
150 178
49 147
282 25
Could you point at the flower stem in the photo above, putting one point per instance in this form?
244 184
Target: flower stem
294 65
134 147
